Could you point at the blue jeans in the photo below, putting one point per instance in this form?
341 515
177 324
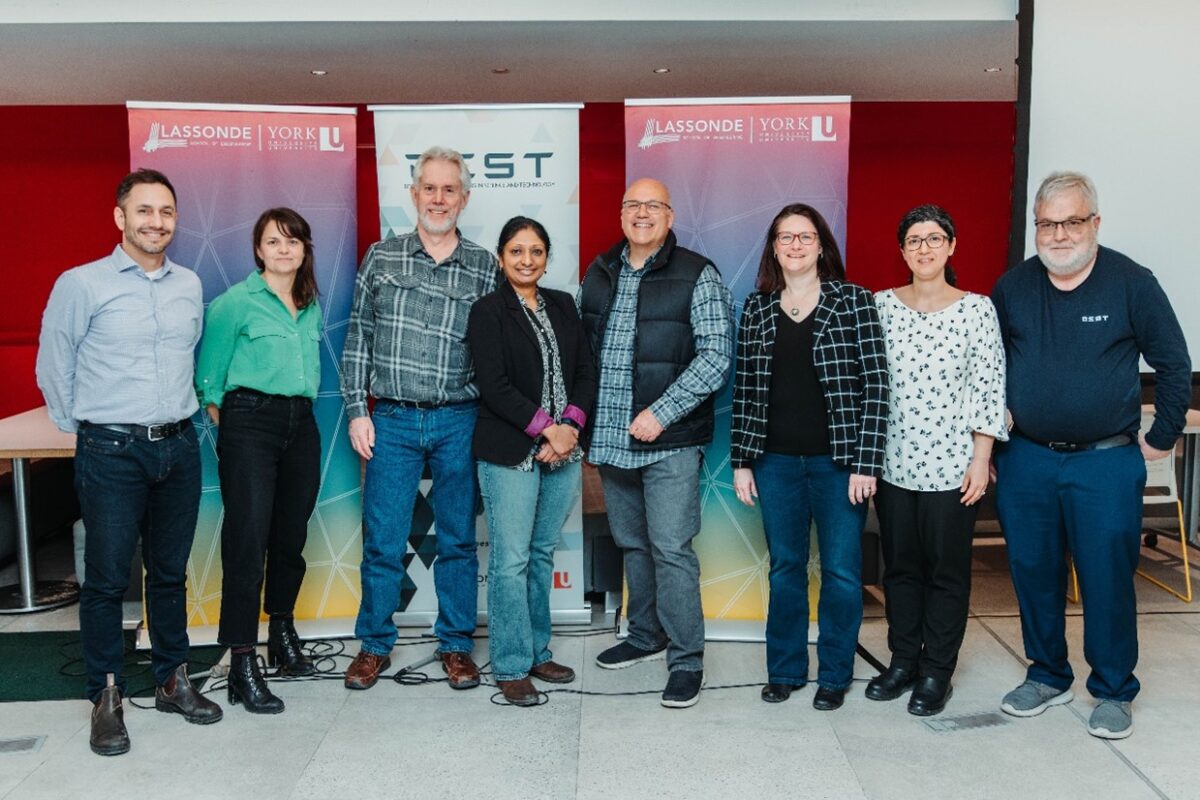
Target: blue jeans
1088 503
654 513
525 513
794 491
130 487
406 439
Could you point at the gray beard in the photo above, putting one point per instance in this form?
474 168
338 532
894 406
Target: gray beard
438 230
1077 262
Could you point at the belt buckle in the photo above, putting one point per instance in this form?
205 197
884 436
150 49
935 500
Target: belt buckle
1062 447
156 433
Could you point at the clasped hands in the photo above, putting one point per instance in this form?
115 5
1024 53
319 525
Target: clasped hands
559 442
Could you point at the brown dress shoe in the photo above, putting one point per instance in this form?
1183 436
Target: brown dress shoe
364 670
520 692
109 737
460 669
178 696
552 672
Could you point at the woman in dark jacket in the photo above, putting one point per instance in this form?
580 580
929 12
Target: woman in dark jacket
808 432
534 370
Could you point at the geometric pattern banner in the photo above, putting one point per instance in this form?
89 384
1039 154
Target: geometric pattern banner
229 164
524 159
731 164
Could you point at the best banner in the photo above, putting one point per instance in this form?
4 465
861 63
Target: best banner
731 164
523 160
228 165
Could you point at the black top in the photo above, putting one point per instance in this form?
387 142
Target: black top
797 422
508 369
1073 356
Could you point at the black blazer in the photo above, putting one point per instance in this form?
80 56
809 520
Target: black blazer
508 369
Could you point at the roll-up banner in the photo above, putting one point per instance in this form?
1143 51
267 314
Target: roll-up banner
229 163
731 164
524 159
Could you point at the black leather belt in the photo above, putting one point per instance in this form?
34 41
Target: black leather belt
151 433
1120 440
426 405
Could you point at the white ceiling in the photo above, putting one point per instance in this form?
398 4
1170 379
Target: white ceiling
65 53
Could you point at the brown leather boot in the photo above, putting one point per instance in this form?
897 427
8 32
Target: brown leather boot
178 696
109 737
519 692
552 672
364 670
460 669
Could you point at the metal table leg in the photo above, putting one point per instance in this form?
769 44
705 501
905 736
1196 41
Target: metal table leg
29 594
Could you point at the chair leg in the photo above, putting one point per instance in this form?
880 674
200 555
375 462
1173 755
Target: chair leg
1074 596
1186 595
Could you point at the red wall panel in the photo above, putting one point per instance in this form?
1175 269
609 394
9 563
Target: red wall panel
59 166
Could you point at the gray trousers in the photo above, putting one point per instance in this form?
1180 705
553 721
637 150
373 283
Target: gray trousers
654 513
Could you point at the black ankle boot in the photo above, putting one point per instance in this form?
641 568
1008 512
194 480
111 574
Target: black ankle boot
284 648
246 685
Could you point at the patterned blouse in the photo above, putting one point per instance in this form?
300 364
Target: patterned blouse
554 388
946 371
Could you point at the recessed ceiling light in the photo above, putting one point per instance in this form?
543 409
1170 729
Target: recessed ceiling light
662 70
500 70
992 69
320 73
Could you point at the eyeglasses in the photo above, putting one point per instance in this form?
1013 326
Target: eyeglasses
1073 226
654 207
934 240
806 238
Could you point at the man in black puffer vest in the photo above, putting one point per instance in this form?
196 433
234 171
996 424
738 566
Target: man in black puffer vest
661 326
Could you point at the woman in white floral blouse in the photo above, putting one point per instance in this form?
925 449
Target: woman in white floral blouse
946 375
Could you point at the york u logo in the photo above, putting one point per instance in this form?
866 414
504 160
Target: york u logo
562 580
1094 318
331 140
499 166
822 129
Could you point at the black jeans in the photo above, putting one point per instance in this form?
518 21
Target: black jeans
130 487
926 575
269 452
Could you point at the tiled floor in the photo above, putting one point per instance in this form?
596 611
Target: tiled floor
424 741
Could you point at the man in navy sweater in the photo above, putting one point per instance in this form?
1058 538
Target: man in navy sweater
1075 321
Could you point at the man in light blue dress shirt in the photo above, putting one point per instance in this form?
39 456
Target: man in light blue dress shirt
115 364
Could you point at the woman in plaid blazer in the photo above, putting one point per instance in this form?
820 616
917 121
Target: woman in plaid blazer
808 434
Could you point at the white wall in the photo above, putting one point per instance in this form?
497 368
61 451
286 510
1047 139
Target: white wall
1115 96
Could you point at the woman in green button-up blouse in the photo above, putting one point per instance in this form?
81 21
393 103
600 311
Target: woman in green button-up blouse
257 377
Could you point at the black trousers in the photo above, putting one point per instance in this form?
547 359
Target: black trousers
926 575
269 452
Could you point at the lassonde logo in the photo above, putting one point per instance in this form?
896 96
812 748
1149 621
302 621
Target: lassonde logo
650 138
692 130
155 140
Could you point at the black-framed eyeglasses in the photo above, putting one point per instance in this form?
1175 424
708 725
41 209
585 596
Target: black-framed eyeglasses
806 238
1073 226
652 206
934 240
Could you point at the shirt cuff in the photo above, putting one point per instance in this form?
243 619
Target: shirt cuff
541 420
576 415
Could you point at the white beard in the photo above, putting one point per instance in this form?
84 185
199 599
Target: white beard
1075 262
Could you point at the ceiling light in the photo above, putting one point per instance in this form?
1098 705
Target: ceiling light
500 70
320 73
992 69
662 70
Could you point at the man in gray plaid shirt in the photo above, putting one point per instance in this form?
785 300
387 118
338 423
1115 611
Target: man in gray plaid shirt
406 346
661 326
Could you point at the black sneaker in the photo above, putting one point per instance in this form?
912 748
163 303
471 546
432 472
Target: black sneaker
683 688
623 654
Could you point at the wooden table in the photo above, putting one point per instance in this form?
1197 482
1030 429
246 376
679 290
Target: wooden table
24 436
1190 489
